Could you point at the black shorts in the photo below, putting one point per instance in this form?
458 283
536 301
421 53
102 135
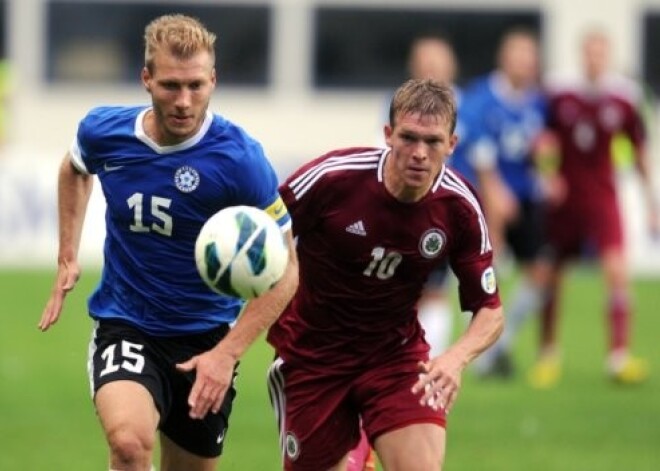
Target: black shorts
119 351
525 236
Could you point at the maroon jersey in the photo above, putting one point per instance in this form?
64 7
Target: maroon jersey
585 118
365 256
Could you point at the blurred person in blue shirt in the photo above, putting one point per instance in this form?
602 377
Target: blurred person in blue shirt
505 112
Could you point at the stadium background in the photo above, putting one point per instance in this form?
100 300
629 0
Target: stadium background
303 76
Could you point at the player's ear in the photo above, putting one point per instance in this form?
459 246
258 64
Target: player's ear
145 75
388 131
453 142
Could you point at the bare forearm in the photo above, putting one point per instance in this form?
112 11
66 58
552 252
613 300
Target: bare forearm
440 377
483 331
74 190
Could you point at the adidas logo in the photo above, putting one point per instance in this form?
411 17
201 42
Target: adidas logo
357 228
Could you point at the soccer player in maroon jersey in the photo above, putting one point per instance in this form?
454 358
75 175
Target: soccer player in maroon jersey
585 116
371 224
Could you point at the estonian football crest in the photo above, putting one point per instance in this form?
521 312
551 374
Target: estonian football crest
432 243
186 179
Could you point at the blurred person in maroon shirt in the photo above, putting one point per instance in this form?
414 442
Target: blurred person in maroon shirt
585 115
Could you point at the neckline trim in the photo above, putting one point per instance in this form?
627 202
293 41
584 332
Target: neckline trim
187 144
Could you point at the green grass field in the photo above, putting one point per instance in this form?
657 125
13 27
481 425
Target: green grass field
47 420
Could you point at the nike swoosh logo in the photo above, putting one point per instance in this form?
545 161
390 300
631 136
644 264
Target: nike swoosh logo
110 168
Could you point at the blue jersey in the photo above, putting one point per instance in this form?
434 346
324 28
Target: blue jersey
503 127
158 198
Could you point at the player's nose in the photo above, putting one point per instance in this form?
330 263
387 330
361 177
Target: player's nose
183 99
420 152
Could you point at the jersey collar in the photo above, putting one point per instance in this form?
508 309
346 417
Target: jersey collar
187 144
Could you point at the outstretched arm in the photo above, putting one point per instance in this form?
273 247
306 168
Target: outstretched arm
74 189
440 377
214 368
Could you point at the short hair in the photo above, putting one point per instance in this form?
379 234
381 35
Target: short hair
426 97
181 35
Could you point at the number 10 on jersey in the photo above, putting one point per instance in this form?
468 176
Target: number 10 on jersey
383 263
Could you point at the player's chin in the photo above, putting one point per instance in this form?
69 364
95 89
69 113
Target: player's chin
418 178
182 130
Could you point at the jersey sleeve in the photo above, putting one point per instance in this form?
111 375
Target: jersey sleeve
471 258
630 94
634 125
81 149
257 186
302 197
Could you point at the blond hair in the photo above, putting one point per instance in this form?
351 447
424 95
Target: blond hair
426 97
180 35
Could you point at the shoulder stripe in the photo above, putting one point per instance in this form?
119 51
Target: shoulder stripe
452 183
300 190
302 183
370 156
278 398
439 178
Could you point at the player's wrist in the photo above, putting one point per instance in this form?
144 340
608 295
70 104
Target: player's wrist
67 257
226 349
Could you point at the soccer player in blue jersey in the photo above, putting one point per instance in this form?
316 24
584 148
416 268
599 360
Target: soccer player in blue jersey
506 114
163 354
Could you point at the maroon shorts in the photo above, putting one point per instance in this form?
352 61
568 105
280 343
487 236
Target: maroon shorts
574 229
319 414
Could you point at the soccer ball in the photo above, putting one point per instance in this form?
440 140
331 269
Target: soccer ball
240 251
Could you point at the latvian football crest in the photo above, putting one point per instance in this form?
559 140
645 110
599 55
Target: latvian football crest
292 446
432 243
